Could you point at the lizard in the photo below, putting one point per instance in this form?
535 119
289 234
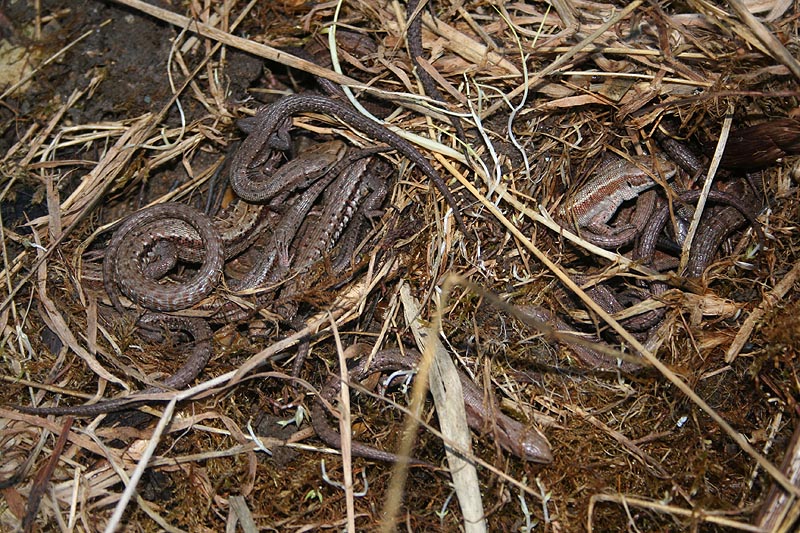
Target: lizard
270 131
522 441
615 181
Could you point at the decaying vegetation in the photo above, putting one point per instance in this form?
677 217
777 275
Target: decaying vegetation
112 108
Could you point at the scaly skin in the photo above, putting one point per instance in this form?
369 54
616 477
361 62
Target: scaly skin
123 268
526 443
615 181
270 131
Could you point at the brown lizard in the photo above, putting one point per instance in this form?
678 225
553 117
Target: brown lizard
523 441
616 180
270 131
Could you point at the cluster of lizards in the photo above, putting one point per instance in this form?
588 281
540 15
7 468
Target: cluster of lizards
312 207
652 231
317 204
344 185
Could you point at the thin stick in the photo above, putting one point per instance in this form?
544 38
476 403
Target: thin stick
701 202
246 45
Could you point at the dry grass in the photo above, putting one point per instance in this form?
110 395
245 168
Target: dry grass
695 441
